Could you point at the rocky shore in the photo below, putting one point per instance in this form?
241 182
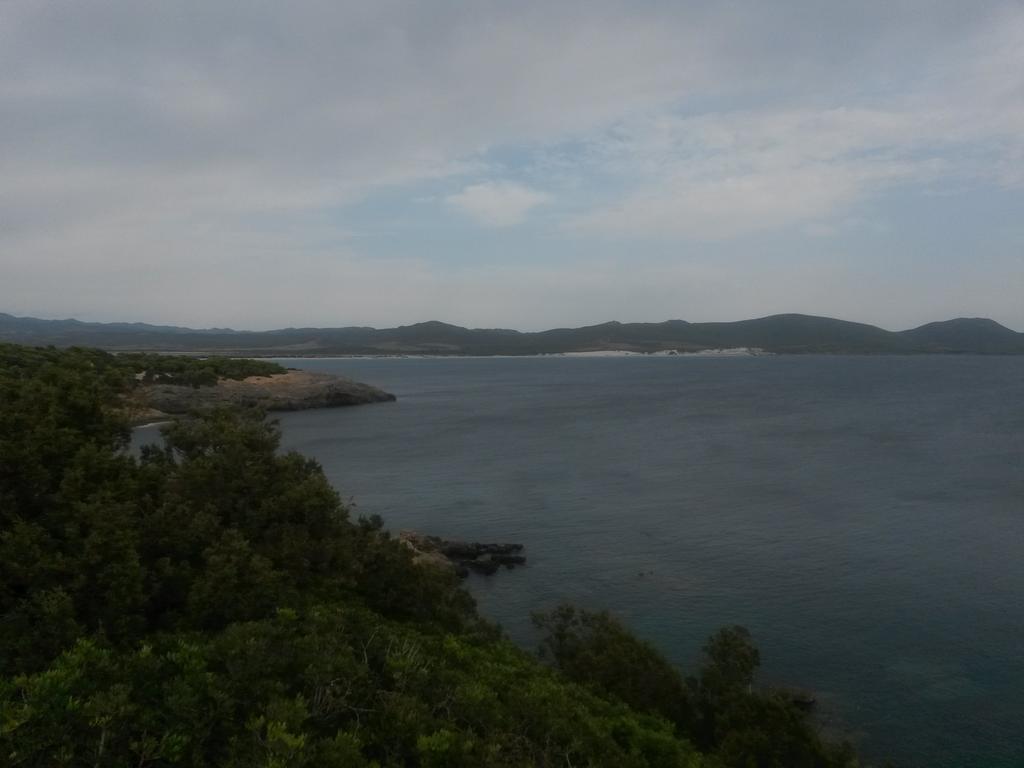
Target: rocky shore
291 391
462 556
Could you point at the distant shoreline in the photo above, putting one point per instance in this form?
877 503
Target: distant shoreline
588 355
780 334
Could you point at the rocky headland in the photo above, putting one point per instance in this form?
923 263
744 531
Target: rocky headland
290 391
462 556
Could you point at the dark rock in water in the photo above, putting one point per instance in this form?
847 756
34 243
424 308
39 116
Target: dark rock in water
482 565
798 697
509 561
801 698
462 556
469 550
499 549
457 550
804 701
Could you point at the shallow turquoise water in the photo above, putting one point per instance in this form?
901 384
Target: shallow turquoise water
863 516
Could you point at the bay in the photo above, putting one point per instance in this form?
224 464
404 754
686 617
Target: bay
862 516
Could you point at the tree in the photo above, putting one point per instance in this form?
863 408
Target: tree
597 650
731 659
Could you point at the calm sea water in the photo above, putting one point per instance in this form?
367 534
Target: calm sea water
862 516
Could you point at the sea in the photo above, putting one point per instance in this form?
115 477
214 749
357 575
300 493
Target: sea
863 516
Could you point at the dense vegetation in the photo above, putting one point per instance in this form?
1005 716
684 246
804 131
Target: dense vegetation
192 371
116 374
211 603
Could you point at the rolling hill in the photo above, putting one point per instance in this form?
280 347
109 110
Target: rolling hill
788 333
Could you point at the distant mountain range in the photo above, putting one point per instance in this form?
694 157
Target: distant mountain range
794 334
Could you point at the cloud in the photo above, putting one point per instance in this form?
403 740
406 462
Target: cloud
729 207
731 173
148 148
728 174
497 203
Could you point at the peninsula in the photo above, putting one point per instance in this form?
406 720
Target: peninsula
289 390
155 387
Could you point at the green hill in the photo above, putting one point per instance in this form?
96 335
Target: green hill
792 333
967 335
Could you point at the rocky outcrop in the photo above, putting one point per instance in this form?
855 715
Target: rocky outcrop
291 391
799 697
462 556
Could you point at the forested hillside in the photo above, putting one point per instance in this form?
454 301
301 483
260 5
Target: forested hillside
784 334
213 603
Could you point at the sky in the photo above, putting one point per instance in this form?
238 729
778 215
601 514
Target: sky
511 164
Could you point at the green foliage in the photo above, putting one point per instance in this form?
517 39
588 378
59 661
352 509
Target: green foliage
750 727
194 371
596 649
55 415
719 711
211 603
731 663
327 686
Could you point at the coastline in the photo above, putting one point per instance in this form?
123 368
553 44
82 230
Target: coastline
294 390
597 353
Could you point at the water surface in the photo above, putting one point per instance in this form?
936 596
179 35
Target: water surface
862 516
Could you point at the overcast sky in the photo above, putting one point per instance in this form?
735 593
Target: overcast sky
518 164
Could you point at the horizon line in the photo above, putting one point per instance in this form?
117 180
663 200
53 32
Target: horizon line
494 328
